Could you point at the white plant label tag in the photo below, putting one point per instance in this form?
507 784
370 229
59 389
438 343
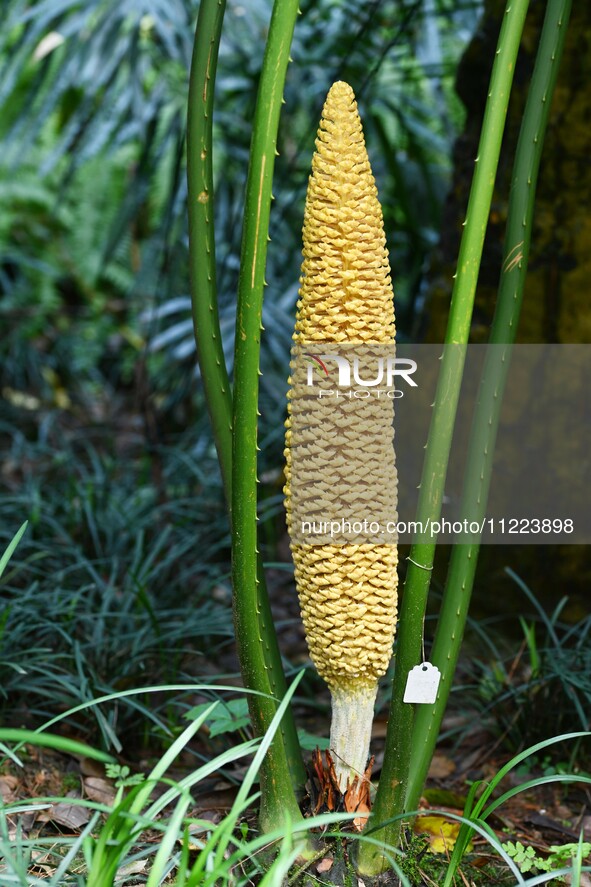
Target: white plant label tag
422 684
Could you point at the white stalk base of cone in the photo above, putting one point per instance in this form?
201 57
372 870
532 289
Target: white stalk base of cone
350 730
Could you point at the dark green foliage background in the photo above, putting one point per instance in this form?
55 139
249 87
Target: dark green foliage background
122 578
93 234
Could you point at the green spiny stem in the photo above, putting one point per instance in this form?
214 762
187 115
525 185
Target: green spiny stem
458 587
216 383
391 795
251 608
214 375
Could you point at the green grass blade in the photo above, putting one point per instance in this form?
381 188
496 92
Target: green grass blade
64 866
138 691
534 783
554 875
124 822
257 765
183 863
522 756
277 873
478 811
548 623
140 797
227 757
162 859
577 863
12 546
209 858
50 740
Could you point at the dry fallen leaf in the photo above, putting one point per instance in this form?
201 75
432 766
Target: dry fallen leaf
43 862
324 865
100 790
328 784
69 815
132 868
441 832
357 798
441 767
8 786
208 819
90 767
583 881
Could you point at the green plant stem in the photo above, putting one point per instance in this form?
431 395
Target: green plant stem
206 323
216 383
460 577
391 795
252 613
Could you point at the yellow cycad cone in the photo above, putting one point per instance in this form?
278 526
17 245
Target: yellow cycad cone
347 592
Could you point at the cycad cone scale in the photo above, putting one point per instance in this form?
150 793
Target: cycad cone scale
347 592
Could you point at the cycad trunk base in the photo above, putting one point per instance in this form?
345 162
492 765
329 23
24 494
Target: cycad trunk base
347 592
